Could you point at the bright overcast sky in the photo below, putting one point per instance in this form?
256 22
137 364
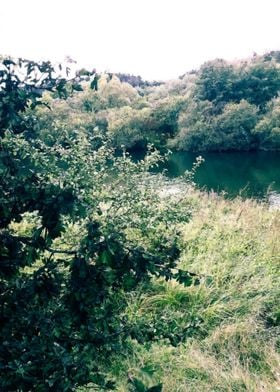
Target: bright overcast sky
158 39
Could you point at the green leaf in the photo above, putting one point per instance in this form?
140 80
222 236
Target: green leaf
106 257
148 370
94 84
138 385
77 87
187 278
155 388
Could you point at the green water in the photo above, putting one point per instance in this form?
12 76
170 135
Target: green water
249 174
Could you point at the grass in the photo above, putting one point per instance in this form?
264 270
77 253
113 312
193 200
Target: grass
231 321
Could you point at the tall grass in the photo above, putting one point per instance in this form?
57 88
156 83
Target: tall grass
231 320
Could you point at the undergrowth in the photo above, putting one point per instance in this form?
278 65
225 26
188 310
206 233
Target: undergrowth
225 331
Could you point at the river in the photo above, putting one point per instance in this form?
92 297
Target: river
248 174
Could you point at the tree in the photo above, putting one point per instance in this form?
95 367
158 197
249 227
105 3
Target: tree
127 127
196 132
221 83
226 103
234 126
115 93
259 83
215 83
163 121
79 229
267 130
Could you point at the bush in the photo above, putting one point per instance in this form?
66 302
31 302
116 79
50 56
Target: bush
79 228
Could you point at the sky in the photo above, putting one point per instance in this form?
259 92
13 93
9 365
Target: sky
157 39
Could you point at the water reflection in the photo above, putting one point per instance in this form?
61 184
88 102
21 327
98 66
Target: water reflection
250 174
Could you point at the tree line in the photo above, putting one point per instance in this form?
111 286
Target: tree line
221 106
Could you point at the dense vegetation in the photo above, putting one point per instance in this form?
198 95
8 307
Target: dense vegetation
79 229
235 345
222 106
105 281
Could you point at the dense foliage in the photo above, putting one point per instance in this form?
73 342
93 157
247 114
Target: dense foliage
83 227
222 106
80 227
230 100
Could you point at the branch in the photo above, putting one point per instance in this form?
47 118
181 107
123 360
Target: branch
32 242
67 252
90 340
25 240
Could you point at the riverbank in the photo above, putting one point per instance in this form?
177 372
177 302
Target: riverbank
231 319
